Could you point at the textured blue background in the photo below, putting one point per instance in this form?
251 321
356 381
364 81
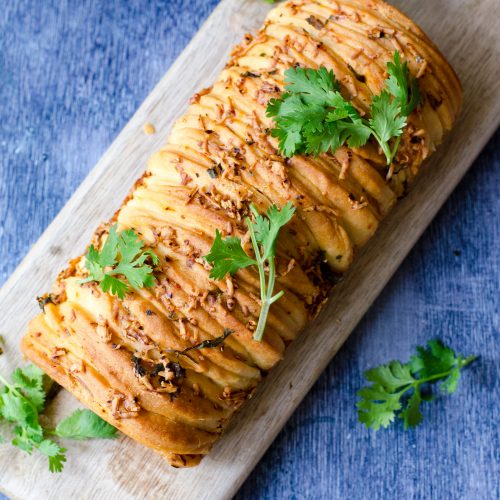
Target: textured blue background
72 74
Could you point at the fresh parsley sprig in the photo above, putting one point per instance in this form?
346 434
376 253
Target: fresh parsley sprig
312 116
22 399
397 389
122 254
227 255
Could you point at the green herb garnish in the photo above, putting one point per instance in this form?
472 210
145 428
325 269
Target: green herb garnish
84 424
396 388
227 255
21 402
209 344
122 255
312 116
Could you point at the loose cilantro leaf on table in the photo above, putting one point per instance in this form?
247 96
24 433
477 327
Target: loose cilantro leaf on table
122 255
22 399
227 255
55 454
84 424
312 116
396 388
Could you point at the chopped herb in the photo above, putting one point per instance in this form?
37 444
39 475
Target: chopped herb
397 389
249 74
138 368
176 368
44 300
215 171
212 172
312 116
206 344
22 399
359 77
227 255
122 255
315 22
179 372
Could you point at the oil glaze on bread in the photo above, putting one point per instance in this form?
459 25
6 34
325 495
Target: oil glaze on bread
219 159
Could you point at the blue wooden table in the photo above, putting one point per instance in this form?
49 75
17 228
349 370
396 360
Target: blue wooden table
73 72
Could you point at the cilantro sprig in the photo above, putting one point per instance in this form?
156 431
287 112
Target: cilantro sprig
22 399
399 389
227 255
122 255
312 116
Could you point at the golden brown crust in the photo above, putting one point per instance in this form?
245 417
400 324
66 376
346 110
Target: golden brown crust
116 356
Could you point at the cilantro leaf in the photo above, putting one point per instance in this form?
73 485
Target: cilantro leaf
16 408
227 255
84 424
312 117
54 453
29 380
402 86
449 385
396 388
267 228
114 285
93 265
23 397
56 462
108 254
129 245
315 86
121 255
26 438
321 141
411 414
435 358
386 120
378 407
391 376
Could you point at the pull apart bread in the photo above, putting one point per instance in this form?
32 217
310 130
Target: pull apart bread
118 356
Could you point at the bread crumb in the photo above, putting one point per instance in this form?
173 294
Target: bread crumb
149 129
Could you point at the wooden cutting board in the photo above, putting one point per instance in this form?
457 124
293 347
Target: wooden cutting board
467 32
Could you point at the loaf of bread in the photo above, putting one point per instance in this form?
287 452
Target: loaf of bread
121 357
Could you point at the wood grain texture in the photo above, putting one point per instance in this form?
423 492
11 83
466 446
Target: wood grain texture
233 458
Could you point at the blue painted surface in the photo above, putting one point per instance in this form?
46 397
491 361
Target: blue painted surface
73 72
